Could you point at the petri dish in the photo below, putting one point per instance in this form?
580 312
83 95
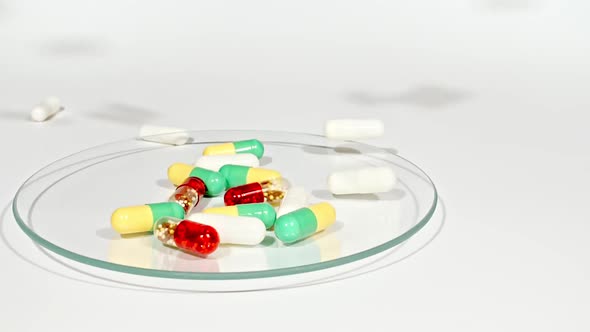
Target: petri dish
66 206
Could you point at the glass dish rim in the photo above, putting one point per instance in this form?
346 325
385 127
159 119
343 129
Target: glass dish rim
38 239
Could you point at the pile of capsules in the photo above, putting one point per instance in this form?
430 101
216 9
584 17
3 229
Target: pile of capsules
251 195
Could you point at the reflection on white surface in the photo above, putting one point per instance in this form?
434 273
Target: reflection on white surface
172 259
320 247
132 251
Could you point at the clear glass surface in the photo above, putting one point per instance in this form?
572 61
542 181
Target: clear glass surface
66 206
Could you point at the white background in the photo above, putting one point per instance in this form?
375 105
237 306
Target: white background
490 97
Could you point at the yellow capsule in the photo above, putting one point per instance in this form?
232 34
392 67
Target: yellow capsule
141 218
133 219
178 172
252 146
325 215
226 148
261 174
225 210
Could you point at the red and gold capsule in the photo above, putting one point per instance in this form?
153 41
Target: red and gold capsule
189 193
187 235
271 191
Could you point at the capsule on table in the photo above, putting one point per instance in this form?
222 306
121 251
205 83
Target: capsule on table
271 191
296 198
252 146
214 181
263 211
236 175
141 218
187 235
304 222
189 193
247 231
215 162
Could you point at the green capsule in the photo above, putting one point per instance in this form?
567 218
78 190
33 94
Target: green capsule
236 175
304 222
262 211
141 218
214 181
252 146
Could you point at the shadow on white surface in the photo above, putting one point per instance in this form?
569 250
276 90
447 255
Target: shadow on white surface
121 113
15 115
510 5
424 96
74 47
164 183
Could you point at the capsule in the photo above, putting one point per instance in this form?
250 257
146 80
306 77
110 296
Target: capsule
189 193
263 211
164 135
215 162
187 235
252 146
214 181
141 218
271 191
247 231
47 109
304 222
296 198
236 175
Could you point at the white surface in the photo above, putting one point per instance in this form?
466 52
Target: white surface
364 180
296 198
354 129
234 230
215 162
487 96
173 136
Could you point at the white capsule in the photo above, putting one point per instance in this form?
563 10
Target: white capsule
366 180
165 135
354 128
48 108
233 230
295 199
215 162
53 103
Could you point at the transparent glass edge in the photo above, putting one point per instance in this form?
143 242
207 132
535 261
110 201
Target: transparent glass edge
225 275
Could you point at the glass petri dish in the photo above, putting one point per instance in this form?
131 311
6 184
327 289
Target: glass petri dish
66 206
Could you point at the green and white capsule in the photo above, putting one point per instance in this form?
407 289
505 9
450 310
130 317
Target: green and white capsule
252 146
236 175
302 223
141 218
262 211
